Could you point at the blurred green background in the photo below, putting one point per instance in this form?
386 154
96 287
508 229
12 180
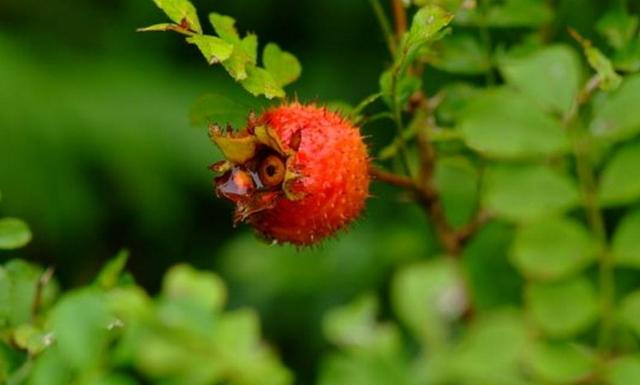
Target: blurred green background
97 154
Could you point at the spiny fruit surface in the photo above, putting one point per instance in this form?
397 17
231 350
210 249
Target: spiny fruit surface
297 174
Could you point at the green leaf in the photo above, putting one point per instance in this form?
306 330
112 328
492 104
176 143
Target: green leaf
552 248
456 98
18 288
111 272
563 309
550 76
80 322
283 66
183 282
629 311
460 54
219 109
162 27
519 13
225 27
457 181
51 368
620 179
612 119
354 326
260 82
214 49
560 363
609 80
618 27
528 192
426 26
181 12
624 370
32 339
490 351
250 47
427 298
504 124
625 245
244 50
14 233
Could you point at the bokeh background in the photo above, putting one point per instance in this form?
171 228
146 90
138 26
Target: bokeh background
97 154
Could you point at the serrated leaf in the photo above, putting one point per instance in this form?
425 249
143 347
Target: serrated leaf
427 23
625 245
620 180
612 119
550 76
561 362
225 27
552 248
260 82
283 66
219 109
214 49
525 193
426 26
14 233
249 45
563 309
182 12
502 123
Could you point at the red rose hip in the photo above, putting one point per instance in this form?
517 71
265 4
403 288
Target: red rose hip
297 173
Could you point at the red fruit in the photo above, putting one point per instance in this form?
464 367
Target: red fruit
297 174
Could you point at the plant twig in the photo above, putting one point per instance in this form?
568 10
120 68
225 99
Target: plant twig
393 179
399 17
595 219
384 25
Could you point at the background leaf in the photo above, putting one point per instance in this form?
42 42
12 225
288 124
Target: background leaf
552 248
625 245
14 233
612 119
563 309
527 192
620 179
501 123
551 76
